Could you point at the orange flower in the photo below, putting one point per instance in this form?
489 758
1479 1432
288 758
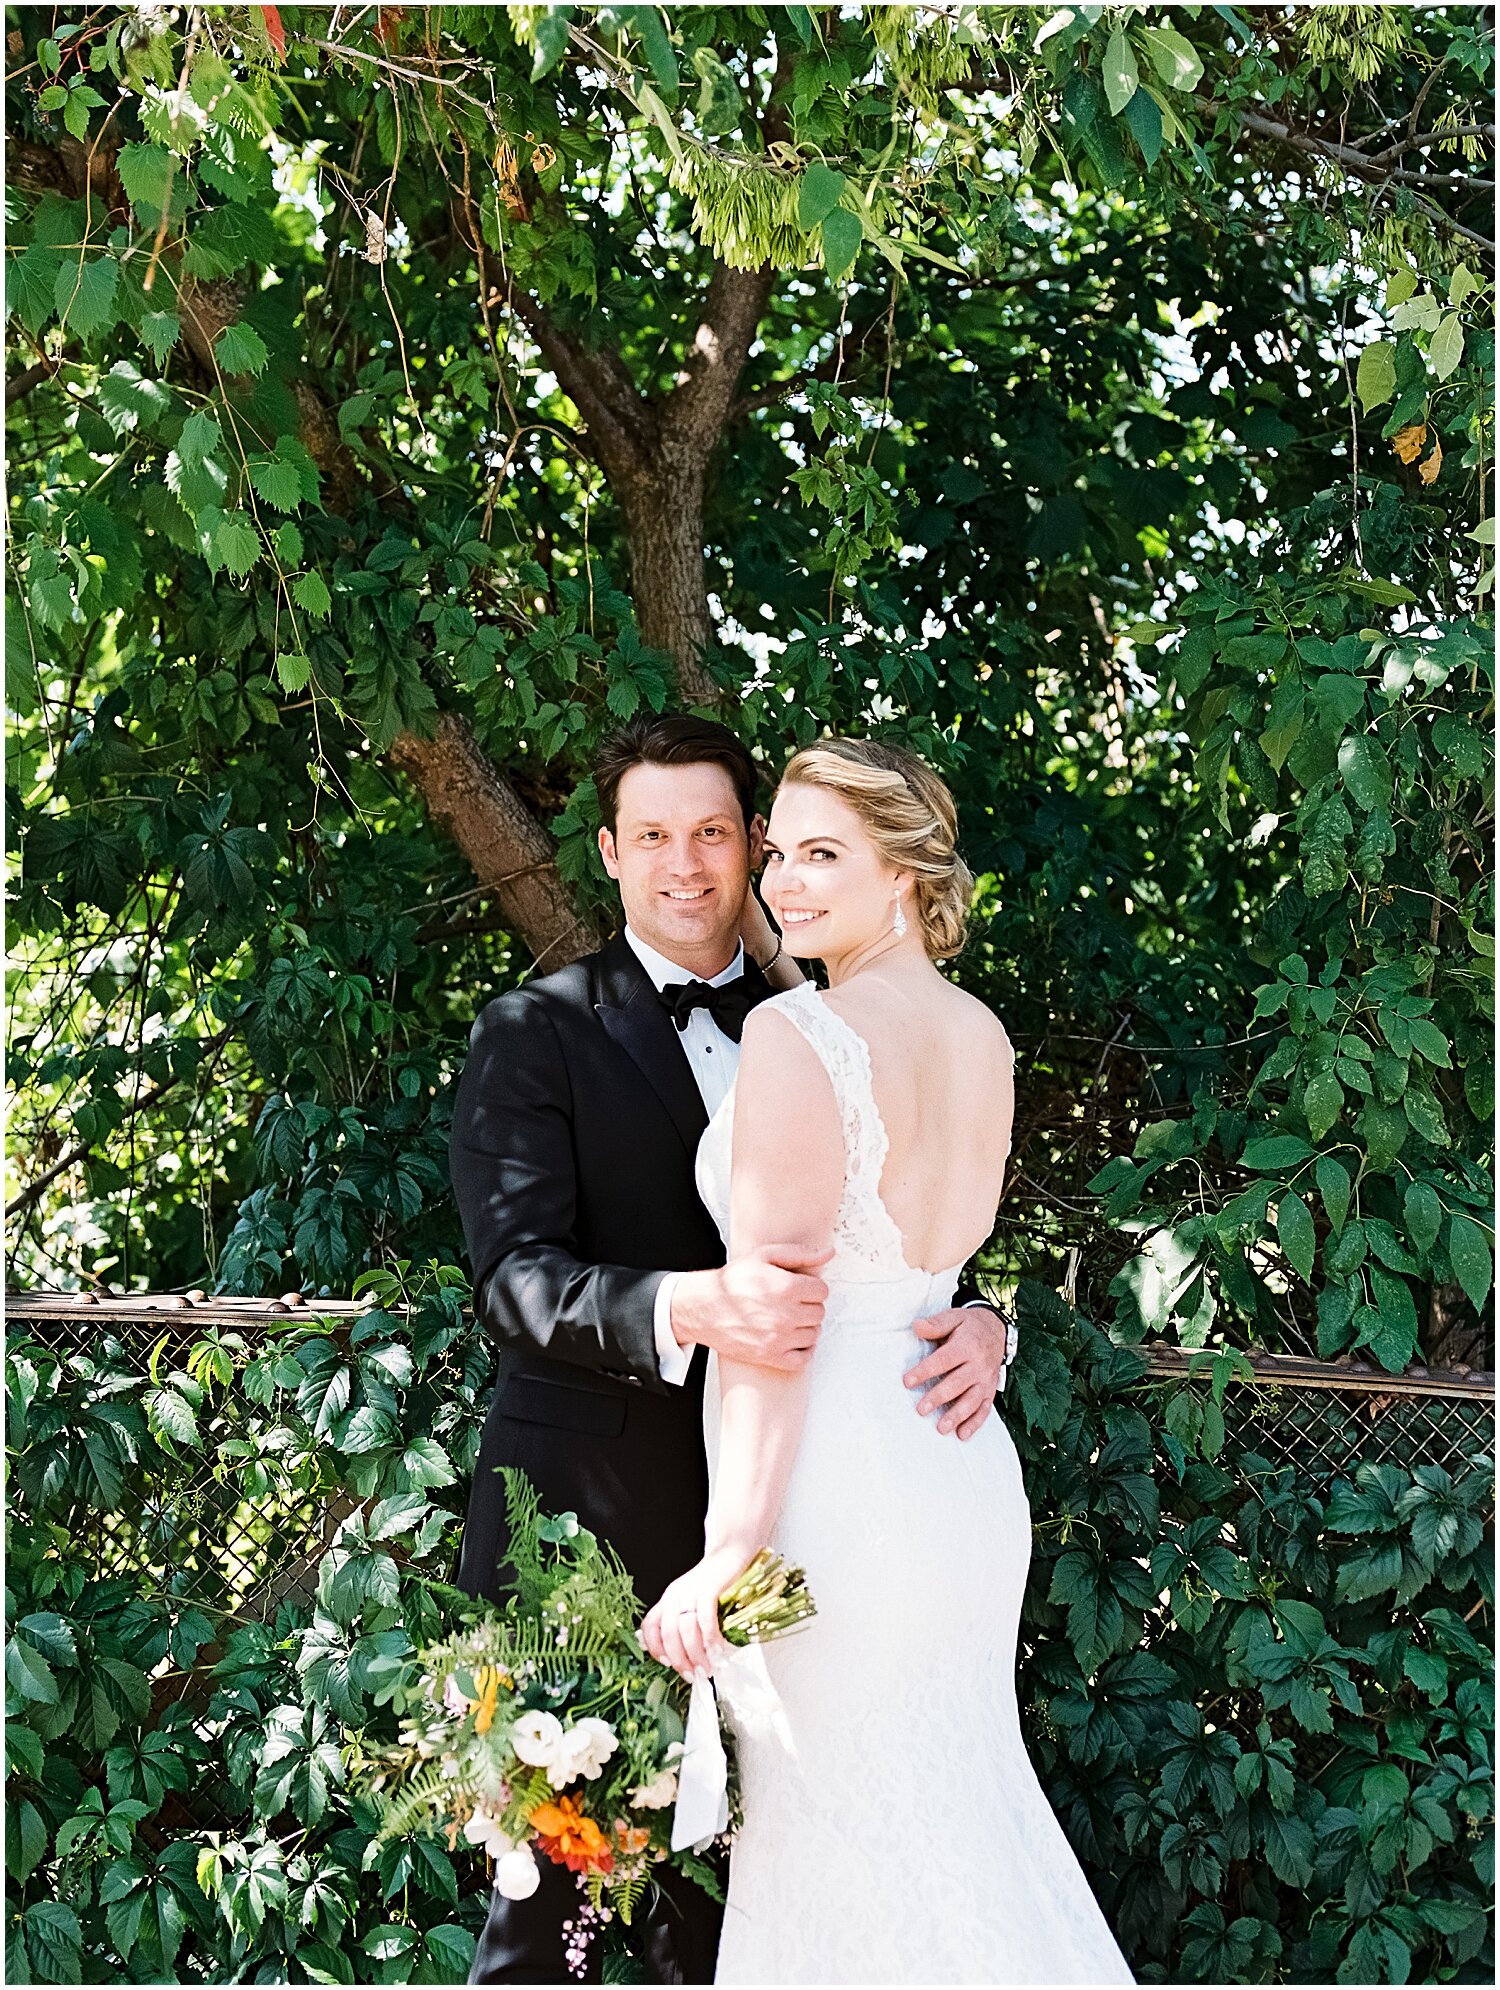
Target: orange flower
632 1838
570 1839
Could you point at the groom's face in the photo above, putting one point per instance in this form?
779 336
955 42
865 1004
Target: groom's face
682 856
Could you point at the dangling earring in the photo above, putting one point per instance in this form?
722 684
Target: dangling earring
898 925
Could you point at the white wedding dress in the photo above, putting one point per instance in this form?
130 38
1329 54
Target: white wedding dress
895 1831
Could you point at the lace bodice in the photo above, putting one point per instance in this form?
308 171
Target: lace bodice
867 1241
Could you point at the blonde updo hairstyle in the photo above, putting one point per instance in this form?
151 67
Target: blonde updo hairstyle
910 817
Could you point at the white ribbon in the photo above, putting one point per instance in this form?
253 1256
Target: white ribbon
702 1774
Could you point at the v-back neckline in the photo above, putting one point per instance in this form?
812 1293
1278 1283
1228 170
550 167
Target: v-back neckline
867 1067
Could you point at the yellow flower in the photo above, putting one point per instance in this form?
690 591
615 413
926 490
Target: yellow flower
489 1679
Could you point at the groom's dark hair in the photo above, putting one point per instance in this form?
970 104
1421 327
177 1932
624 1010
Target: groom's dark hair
673 739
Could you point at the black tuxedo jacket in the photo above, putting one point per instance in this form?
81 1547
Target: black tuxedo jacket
575 1130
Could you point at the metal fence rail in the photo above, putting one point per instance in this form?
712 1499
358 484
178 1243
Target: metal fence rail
242 1527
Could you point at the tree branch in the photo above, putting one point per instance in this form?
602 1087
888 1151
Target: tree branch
1351 159
18 388
34 1191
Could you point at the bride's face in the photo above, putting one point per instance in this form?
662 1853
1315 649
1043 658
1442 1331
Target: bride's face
828 887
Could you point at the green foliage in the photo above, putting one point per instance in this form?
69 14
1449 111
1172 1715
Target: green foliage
1254 1701
178 1747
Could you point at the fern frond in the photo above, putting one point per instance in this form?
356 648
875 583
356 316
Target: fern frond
427 1800
523 1513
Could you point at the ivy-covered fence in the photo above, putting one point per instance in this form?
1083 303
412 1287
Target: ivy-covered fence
1256 1651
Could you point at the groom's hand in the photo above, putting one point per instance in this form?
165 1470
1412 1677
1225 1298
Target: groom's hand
964 1373
764 1309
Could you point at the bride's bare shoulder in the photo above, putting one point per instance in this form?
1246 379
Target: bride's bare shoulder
981 1019
877 1010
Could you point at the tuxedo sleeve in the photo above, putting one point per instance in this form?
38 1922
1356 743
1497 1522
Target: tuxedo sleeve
511 1158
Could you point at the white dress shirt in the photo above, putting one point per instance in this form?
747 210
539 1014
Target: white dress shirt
714 1059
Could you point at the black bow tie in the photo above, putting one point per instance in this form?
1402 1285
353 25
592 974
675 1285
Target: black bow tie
728 1004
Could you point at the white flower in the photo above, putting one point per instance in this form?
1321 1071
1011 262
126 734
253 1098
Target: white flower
656 1794
535 1738
516 1876
584 1750
483 1828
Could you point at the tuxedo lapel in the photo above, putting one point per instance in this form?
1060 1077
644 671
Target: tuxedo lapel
626 1004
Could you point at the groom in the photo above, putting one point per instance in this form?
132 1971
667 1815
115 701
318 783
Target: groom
597 1268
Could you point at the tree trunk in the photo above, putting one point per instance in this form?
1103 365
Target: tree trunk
664 523
507 848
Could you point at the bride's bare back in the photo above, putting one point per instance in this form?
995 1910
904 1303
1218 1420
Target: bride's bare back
941 1065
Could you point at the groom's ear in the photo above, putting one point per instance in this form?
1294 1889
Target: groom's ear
607 852
757 835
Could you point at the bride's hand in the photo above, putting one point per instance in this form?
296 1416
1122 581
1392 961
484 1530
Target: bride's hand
682 1627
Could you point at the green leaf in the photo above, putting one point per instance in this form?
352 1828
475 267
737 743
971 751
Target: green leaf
1284 721
311 593
171 1416
160 330
76 114
819 194
146 172
29 1674
1424 1214
1295 1233
25 1839
1400 285
240 349
278 482
1143 115
656 45
549 38
1365 771
1175 59
31 285
226 238
1462 284
200 438
1375 380
842 234
292 670
1335 1188
54 1941
450 1950
237 543
1276 1150
126 399
1121 77
52 1635
718 107
425 1463
1447 347
1469 1250
289 547
85 294
1289 1846
1322 1102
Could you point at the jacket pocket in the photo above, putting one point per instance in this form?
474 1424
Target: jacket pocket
532 1399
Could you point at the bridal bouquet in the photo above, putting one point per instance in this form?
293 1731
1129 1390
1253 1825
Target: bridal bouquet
545 1732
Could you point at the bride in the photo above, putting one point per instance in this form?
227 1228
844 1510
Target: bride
895 1831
